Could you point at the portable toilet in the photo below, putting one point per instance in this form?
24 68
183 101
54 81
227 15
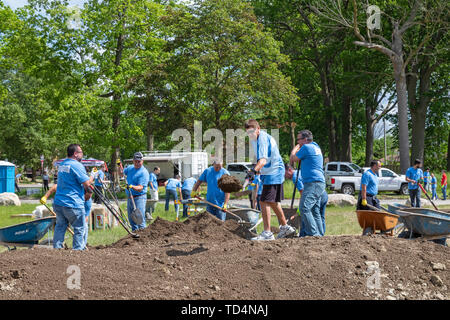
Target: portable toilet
7 176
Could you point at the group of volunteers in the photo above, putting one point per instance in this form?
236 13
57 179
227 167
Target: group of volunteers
74 188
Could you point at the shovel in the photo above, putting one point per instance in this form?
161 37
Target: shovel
420 185
240 221
136 214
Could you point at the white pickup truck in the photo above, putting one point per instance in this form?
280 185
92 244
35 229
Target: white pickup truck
387 181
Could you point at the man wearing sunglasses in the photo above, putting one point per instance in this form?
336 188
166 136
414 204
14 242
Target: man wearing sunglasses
271 166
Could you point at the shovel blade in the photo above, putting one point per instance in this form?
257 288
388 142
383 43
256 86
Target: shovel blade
136 216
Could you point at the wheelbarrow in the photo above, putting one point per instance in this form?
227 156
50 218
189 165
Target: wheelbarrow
26 234
372 220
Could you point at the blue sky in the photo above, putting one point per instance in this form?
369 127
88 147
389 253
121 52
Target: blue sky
14 4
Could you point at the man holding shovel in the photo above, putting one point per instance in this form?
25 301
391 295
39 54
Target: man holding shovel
310 158
271 167
414 175
137 180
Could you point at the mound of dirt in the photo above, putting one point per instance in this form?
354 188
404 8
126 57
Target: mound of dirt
205 258
229 184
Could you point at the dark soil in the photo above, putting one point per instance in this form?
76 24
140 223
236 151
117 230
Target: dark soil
229 183
204 258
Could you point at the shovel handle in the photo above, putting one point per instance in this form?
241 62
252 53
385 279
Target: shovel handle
217 207
421 187
54 214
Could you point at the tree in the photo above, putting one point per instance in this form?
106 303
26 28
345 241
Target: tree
402 19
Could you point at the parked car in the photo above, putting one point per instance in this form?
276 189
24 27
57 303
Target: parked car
341 169
387 181
239 169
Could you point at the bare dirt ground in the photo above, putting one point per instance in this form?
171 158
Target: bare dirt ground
204 258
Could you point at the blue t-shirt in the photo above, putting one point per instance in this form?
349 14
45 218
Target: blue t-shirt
70 189
433 183
189 183
311 163
266 147
137 177
173 184
153 180
426 177
101 175
370 180
299 182
214 194
414 174
87 207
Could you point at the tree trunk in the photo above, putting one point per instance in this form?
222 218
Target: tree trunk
150 136
448 152
346 151
402 98
370 125
328 102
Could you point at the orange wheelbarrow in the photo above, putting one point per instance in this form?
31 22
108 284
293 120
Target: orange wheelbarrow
371 221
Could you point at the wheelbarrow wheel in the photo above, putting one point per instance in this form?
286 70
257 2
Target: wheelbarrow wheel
367 231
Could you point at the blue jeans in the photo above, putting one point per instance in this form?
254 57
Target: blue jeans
414 196
186 195
323 206
171 193
64 217
444 192
216 212
140 204
311 216
433 194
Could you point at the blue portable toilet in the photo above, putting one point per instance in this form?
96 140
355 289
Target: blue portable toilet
7 176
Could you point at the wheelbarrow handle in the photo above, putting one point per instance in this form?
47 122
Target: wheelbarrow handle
217 207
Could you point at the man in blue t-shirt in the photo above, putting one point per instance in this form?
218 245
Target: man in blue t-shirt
414 176
214 194
271 167
137 181
292 175
427 180
369 187
186 189
172 186
69 202
98 182
153 190
310 158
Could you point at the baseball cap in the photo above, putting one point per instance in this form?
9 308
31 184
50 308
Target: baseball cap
138 156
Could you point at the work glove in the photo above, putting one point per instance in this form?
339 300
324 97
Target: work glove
130 186
177 202
43 200
194 194
364 202
224 208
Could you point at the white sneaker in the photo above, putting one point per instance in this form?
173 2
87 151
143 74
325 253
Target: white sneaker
285 231
265 235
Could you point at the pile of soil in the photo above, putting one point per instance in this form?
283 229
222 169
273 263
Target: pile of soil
229 183
205 258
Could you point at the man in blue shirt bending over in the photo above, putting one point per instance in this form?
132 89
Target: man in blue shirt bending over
213 193
369 187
